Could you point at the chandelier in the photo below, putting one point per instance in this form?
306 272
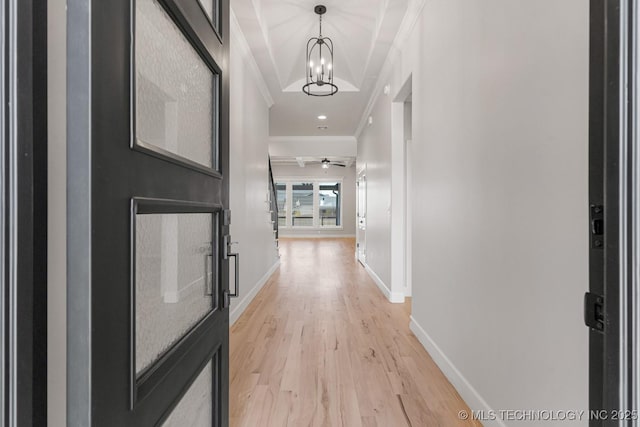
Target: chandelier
319 74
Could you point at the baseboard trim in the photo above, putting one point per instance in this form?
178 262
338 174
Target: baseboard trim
469 394
394 297
244 302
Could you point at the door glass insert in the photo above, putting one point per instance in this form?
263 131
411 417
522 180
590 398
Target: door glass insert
176 100
175 279
195 409
302 204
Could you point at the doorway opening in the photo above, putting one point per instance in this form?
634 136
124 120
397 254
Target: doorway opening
361 230
408 137
402 134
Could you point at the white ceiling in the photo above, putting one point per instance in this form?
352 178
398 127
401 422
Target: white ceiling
308 161
290 150
277 32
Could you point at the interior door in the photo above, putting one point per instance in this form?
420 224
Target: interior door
148 112
361 243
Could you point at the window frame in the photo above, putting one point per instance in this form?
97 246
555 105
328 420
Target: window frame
288 181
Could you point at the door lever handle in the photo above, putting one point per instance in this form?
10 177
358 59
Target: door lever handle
236 293
236 256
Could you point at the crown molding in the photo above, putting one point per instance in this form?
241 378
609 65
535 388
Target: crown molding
313 146
411 17
345 138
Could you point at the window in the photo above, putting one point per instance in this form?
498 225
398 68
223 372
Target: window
329 204
309 204
302 205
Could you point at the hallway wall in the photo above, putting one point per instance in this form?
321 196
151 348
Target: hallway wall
348 176
500 196
374 154
249 180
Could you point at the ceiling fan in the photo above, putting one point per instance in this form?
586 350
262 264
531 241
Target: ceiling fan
326 163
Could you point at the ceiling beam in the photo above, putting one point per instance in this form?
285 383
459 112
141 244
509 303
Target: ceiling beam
313 146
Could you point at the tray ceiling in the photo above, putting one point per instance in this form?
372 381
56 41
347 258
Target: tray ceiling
277 32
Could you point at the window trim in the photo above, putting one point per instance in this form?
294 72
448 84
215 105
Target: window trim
316 181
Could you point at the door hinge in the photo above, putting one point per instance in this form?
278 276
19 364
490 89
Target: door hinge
597 227
594 311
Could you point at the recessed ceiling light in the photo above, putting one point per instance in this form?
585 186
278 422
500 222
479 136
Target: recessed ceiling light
322 117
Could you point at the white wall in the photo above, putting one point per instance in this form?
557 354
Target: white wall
249 180
57 219
312 146
348 176
499 199
374 153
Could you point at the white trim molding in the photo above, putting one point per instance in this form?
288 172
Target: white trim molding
393 297
469 394
413 13
311 138
316 181
284 235
313 146
308 178
244 302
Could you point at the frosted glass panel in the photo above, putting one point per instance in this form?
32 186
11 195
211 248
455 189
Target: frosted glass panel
195 409
175 90
175 276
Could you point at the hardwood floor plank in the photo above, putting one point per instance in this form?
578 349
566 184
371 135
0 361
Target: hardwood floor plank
321 346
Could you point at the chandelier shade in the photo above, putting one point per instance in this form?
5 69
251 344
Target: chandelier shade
319 63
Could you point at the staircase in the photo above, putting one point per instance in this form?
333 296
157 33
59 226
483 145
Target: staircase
272 200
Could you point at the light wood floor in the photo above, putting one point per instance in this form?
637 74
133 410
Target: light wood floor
321 346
